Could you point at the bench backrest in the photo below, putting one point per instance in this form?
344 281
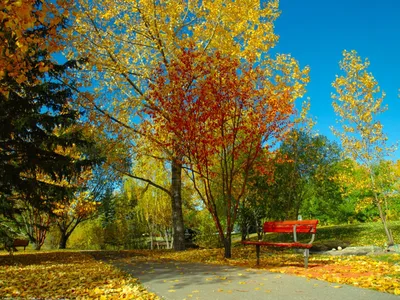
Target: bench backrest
20 243
303 226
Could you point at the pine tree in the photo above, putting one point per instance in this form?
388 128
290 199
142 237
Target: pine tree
36 115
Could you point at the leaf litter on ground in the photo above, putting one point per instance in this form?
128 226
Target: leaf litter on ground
74 275
65 275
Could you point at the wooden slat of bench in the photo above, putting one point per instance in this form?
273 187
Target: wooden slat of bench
278 244
305 226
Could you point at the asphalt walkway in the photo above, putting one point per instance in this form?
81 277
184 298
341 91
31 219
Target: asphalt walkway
179 280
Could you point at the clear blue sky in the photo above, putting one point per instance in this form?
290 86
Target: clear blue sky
316 32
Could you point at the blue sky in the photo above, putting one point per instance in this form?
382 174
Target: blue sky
316 32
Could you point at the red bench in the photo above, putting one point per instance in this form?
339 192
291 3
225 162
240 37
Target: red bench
20 243
10 245
294 227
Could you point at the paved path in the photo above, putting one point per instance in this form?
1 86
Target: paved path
178 280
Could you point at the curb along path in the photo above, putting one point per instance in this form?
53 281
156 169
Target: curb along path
175 280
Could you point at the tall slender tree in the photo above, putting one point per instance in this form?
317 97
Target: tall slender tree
358 102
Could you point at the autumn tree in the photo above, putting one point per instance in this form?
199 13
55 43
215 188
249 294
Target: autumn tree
35 223
29 29
223 115
354 184
152 204
126 41
357 102
35 107
76 207
70 214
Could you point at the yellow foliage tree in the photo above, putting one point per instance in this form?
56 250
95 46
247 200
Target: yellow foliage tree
73 209
152 204
357 102
20 22
125 41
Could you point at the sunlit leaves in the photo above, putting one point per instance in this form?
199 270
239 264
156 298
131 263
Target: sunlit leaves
22 25
202 104
219 115
65 275
357 102
152 205
126 41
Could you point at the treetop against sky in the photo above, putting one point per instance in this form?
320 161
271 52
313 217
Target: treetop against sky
316 32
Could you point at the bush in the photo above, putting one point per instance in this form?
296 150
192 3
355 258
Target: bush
207 236
87 236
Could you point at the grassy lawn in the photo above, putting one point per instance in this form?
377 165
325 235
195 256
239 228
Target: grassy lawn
356 234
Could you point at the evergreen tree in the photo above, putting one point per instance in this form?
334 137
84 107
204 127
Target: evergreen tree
36 115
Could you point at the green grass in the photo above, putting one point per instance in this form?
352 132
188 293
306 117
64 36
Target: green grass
389 258
329 237
356 234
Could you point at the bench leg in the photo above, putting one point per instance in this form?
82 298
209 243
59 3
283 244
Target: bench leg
306 255
258 254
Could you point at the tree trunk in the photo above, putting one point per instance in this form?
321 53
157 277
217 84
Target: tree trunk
38 246
388 232
243 231
151 241
63 241
177 215
228 245
167 239
382 213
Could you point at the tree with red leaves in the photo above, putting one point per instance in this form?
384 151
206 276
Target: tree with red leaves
221 118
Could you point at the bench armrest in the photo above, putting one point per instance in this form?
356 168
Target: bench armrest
295 235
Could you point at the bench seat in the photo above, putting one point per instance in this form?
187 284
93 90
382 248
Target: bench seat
272 244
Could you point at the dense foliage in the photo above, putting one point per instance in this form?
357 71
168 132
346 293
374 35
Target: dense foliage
200 131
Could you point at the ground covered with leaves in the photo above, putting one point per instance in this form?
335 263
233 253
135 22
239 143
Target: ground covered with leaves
74 275
380 273
66 275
